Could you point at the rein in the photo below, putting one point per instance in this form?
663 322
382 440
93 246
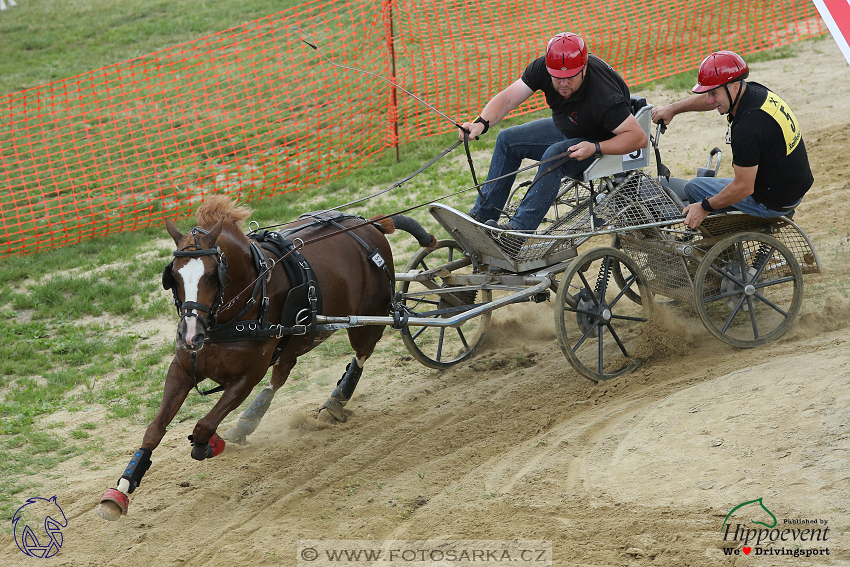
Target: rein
190 308
564 156
313 44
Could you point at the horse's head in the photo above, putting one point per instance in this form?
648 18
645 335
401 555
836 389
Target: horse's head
197 277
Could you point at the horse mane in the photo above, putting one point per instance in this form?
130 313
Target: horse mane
220 207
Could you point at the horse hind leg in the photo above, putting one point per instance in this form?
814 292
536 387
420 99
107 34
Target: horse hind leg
333 410
251 417
363 341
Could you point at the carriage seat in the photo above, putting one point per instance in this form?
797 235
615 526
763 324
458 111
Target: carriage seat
612 164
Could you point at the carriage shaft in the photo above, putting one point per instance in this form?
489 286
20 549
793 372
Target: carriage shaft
541 283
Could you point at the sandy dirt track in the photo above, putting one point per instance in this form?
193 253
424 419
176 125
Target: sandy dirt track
514 444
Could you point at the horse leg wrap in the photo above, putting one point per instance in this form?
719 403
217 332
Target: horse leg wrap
250 418
346 385
343 392
139 465
201 451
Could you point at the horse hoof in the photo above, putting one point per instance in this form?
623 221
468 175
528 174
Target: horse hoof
208 450
108 511
326 417
233 435
333 411
113 505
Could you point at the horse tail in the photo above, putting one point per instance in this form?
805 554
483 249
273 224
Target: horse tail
407 224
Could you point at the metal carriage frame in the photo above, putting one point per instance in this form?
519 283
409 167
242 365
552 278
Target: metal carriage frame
742 275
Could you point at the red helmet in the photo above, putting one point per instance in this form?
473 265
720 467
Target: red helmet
720 68
566 55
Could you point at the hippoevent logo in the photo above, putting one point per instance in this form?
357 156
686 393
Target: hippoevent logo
38 527
793 537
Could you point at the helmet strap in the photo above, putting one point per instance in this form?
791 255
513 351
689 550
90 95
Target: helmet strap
733 103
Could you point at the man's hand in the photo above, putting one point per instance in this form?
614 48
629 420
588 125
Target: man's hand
664 113
474 128
694 215
582 150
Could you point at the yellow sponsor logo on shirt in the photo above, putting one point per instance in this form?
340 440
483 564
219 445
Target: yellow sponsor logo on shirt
779 110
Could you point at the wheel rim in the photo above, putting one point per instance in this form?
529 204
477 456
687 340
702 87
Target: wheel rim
748 289
598 330
441 347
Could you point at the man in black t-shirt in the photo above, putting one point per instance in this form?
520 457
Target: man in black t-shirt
769 158
591 116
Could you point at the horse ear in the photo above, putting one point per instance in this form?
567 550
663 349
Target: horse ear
173 231
214 232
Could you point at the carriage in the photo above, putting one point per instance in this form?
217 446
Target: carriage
742 275
255 300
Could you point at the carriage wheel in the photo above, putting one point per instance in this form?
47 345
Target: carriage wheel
597 330
748 289
441 347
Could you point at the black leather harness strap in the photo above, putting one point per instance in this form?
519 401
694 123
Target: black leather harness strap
303 302
374 255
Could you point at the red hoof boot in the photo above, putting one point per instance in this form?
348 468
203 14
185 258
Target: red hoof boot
217 444
207 450
113 505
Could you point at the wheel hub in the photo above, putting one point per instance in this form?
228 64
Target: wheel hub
590 313
730 286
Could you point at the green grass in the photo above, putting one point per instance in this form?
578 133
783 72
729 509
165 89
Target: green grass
49 40
50 360
63 341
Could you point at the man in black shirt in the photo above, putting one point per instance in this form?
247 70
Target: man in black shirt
590 117
769 158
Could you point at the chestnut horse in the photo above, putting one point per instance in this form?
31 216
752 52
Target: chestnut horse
238 317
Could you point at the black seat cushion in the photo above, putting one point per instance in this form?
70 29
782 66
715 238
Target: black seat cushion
636 103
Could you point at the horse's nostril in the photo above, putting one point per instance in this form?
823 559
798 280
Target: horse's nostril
198 340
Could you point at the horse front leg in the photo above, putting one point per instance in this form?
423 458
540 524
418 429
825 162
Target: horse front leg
115 501
251 417
205 442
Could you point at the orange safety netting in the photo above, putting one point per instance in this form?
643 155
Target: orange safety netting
253 112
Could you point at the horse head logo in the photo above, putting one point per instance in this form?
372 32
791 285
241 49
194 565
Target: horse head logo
39 513
747 503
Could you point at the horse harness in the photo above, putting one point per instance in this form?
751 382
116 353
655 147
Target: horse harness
168 281
303 302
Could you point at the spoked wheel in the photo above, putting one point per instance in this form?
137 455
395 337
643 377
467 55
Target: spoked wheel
441 347
597 328
748 289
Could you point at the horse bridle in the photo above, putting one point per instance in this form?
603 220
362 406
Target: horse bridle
191 308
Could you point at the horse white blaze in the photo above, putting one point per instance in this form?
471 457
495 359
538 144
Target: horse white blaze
191 273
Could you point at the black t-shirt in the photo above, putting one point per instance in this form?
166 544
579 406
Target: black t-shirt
766 133
593 112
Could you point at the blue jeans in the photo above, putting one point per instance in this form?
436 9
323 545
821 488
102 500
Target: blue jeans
538 141
701 187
